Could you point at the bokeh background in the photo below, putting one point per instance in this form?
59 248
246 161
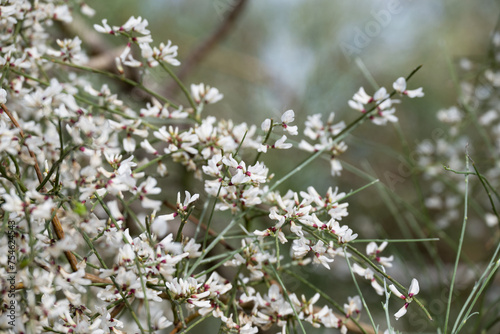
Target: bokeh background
312 56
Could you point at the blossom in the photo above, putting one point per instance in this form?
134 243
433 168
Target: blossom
87 10
206 94
187 200
354 306
134 24
319 251
266 125
288 117
383 105
412 291
70 50
166 53
105 28
280 144
400 86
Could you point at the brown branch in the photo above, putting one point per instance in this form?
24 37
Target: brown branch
118 308
203 49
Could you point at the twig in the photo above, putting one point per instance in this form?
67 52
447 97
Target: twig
181 324
208 44
195 221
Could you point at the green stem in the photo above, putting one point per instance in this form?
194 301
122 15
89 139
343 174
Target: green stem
460 244
214 243
278 278
375 328
56 165
179 82
117 286
114 76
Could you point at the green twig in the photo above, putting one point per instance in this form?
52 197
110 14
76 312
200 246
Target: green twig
460 244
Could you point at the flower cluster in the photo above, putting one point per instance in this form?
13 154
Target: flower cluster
383 110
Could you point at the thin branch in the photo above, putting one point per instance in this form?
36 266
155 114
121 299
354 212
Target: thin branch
203 49
195 221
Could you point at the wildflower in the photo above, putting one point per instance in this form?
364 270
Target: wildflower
361 97
354 306
288 117
205 94
373 251
319 251
134 24
159 224
400 86
279 144
166 53
187 201
70 50
412 291
266 125
105 28
382 102
87 10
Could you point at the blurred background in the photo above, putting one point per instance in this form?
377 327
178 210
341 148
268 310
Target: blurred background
312 56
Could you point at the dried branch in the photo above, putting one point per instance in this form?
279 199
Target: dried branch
203 49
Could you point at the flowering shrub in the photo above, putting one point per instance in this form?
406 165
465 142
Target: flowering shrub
91 243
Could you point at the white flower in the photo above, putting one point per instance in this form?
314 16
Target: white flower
288 117
400 86
187 201
361 97
412 291
87 10
70 49
347 236
166 53
62 13
401 312
319 251
205 94
105 28
160 321
488 117
266 125
373 250
134 24
159 224
354 306
280 144
381 94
